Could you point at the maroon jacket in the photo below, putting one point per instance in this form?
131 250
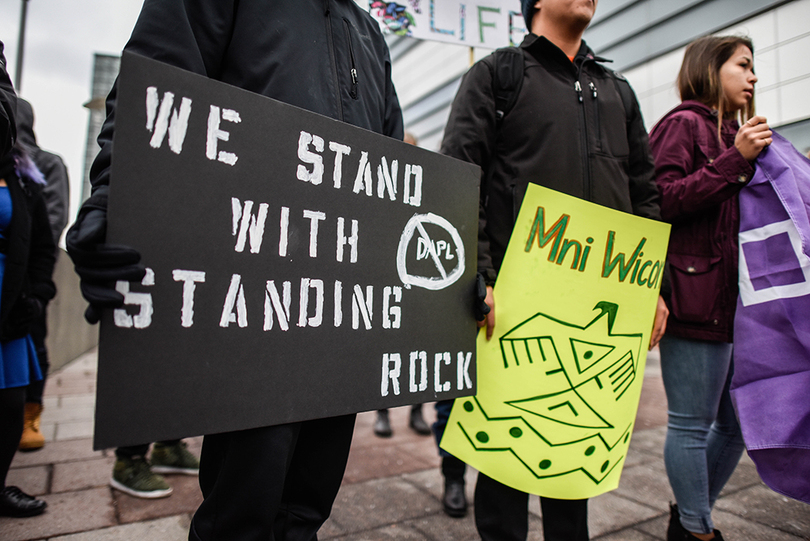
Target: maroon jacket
699 178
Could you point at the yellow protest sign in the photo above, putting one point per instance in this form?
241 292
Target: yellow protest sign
559 382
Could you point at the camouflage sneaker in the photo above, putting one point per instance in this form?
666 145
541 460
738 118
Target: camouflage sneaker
174 459
134 476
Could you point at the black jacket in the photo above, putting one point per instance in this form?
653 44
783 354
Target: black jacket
57 191
8 106
574 139
326 56
30 257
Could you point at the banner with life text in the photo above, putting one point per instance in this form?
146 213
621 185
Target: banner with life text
297 267
489 24
560 380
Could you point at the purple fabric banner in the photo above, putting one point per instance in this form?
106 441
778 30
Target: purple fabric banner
771 384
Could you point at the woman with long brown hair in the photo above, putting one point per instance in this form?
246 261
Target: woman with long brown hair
703 158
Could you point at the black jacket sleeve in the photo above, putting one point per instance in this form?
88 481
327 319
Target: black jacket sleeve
57 192
8 105
643 189
470 136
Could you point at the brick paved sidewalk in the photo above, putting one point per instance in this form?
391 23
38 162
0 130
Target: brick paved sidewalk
391 490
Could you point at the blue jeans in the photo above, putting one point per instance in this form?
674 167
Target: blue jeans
704 442
443 409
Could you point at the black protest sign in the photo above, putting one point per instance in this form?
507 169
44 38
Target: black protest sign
299 267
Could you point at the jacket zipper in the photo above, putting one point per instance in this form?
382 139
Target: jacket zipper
353 72
587 186
586 181
596 115
331 43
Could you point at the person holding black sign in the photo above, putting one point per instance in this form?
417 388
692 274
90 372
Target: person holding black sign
325 56
547 112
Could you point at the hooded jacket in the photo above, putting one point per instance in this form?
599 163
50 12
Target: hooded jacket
30 256
320 55
567 131
57 190
699 177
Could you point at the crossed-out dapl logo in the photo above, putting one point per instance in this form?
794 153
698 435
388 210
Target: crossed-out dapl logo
430 253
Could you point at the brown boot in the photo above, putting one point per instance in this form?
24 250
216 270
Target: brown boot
32 439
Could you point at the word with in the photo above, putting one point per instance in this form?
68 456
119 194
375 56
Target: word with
162 119
561 246
392 372
277 304
248 228
310 152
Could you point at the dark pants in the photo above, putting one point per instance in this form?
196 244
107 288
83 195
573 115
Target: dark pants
502 514
443 409
12 405
39 330
275 483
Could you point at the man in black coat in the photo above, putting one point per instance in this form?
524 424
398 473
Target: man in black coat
325 56
570 130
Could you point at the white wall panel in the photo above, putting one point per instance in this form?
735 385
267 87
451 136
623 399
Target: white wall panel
795 101
769 105
426 67
761 30
794 58
766 66
793 20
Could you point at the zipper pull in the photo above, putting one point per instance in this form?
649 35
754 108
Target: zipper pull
593 89
578 88
354 76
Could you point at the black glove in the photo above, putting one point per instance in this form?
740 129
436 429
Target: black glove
24 312
100 265
480 307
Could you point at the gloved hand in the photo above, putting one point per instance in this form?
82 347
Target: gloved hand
480 307
26 309
98 264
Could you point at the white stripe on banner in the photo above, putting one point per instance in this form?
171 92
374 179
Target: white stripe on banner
748 294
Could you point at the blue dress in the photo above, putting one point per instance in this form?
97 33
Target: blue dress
18 358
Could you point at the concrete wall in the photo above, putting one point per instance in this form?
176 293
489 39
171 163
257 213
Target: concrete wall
69 335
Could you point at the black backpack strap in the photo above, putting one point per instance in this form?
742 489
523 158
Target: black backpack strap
625 92
507 80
